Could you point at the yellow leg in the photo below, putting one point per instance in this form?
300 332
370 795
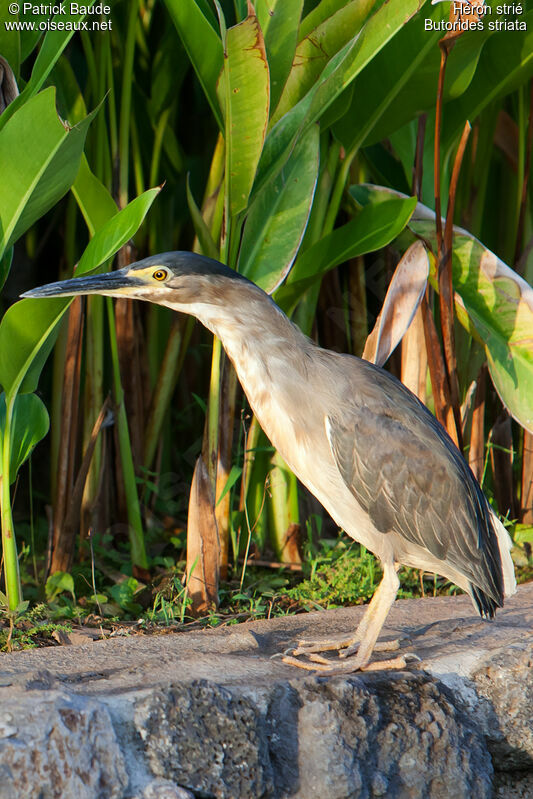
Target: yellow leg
360 646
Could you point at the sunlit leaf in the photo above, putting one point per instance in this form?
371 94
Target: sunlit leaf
339 72
27 328
316 49
29 424
279 22
51 48
372 228
278 217
244 95
492 302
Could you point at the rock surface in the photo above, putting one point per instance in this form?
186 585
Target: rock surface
210 714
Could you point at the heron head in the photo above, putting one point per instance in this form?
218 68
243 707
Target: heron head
178 280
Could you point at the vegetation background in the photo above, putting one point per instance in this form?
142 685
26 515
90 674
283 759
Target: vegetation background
366 167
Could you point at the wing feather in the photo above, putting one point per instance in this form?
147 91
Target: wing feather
405 471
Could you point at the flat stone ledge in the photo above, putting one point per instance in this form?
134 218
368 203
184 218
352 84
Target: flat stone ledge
209 714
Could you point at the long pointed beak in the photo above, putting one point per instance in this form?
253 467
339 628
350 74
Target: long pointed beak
111 284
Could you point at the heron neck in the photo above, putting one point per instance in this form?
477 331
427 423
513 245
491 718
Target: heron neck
264 346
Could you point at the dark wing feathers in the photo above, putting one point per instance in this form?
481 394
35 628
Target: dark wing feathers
405 471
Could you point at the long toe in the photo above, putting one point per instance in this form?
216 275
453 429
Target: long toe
338 644
379 646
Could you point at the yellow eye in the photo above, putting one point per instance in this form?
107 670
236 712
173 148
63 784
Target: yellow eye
160 274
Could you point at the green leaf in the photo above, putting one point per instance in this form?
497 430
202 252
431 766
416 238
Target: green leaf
500 305
205 238
374 227
5 265
53 45
29 424
25 156
278 217
56 179
244 93
9 40
523 533
492 302
57 583
400 82
28 327
94 200
203 46
316 49
233 476
279 21
340 71
70 101
123 593
116 232
505 64
26 340
319 14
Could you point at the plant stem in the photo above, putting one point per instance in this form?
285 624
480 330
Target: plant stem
138 550
125 104
9 544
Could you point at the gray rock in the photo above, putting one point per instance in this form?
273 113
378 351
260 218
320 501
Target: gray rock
518 785
60 745
165 789
209 714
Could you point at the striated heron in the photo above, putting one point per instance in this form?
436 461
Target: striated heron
373 455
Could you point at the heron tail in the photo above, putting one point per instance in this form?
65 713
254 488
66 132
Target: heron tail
504 545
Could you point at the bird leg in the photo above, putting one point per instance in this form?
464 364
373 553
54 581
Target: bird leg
360 646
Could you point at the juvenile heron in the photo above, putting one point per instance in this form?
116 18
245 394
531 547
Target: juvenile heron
373 455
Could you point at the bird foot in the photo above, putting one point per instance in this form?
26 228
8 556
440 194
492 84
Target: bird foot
319 664
348 650
346 647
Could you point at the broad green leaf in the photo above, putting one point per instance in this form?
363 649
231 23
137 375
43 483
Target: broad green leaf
492 302
70 101
499 304
336 76
241 9
26 340
53 45
25 156
94 200
400 82
278 217
279 21
505 63
57 583
27 328
319 14
116 232
203 46
9 40
374 227
244 93
29 424
316 49
56 179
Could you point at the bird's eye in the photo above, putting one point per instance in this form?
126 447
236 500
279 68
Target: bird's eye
160 274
